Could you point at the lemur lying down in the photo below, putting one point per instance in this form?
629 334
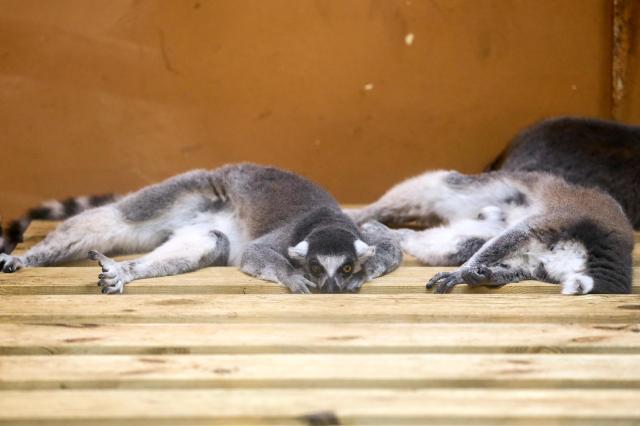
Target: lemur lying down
506 227
275 225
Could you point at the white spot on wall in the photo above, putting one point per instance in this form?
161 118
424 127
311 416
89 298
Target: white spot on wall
368 87
408 39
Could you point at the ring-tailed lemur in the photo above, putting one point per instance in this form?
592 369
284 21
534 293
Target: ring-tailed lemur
274 224
506 227
584 151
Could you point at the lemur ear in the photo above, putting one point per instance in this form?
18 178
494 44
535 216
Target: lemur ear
364 250
299 251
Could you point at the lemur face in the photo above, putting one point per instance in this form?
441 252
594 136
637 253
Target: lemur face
330 266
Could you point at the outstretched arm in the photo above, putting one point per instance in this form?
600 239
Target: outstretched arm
261 259
188 249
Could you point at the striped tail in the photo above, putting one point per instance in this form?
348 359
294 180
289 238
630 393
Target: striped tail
50 210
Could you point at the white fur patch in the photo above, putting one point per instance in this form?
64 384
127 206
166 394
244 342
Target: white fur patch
299 251
566 263
56 209
184 212
363 250
434 246
331 263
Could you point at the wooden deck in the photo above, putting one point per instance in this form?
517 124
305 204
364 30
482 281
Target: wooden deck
218 347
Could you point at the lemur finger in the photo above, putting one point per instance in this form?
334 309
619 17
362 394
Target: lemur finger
107 274
96 255
437 277
117 288
301 289
105 262
444 281
447 285
106 282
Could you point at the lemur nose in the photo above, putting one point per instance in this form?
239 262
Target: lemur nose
331 287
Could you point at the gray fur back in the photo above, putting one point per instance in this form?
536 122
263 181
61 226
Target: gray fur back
255 188
587 152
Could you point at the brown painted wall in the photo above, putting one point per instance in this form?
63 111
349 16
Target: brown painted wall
110 95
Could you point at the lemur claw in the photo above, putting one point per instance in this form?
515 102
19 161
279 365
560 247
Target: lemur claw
444 281
298 284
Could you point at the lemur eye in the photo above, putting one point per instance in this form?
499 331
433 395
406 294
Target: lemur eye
316 269
347 269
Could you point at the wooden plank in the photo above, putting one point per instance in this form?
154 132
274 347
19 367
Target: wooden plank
321 406
318 371
321 307
229 280
372 338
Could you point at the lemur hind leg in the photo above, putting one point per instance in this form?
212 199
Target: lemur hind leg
500 261
188 249
520 254
455 243
137 223
102 228
408 201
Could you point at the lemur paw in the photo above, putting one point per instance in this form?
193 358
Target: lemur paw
113 276
10 263
355 283
445 281
473 276
297 283
582 284
476 275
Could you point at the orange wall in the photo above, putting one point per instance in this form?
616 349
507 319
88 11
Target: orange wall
110 95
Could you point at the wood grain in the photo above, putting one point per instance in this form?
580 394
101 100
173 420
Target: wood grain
327 308
302 406
319 338
319 371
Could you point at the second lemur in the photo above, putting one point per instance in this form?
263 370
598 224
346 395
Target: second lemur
506 227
